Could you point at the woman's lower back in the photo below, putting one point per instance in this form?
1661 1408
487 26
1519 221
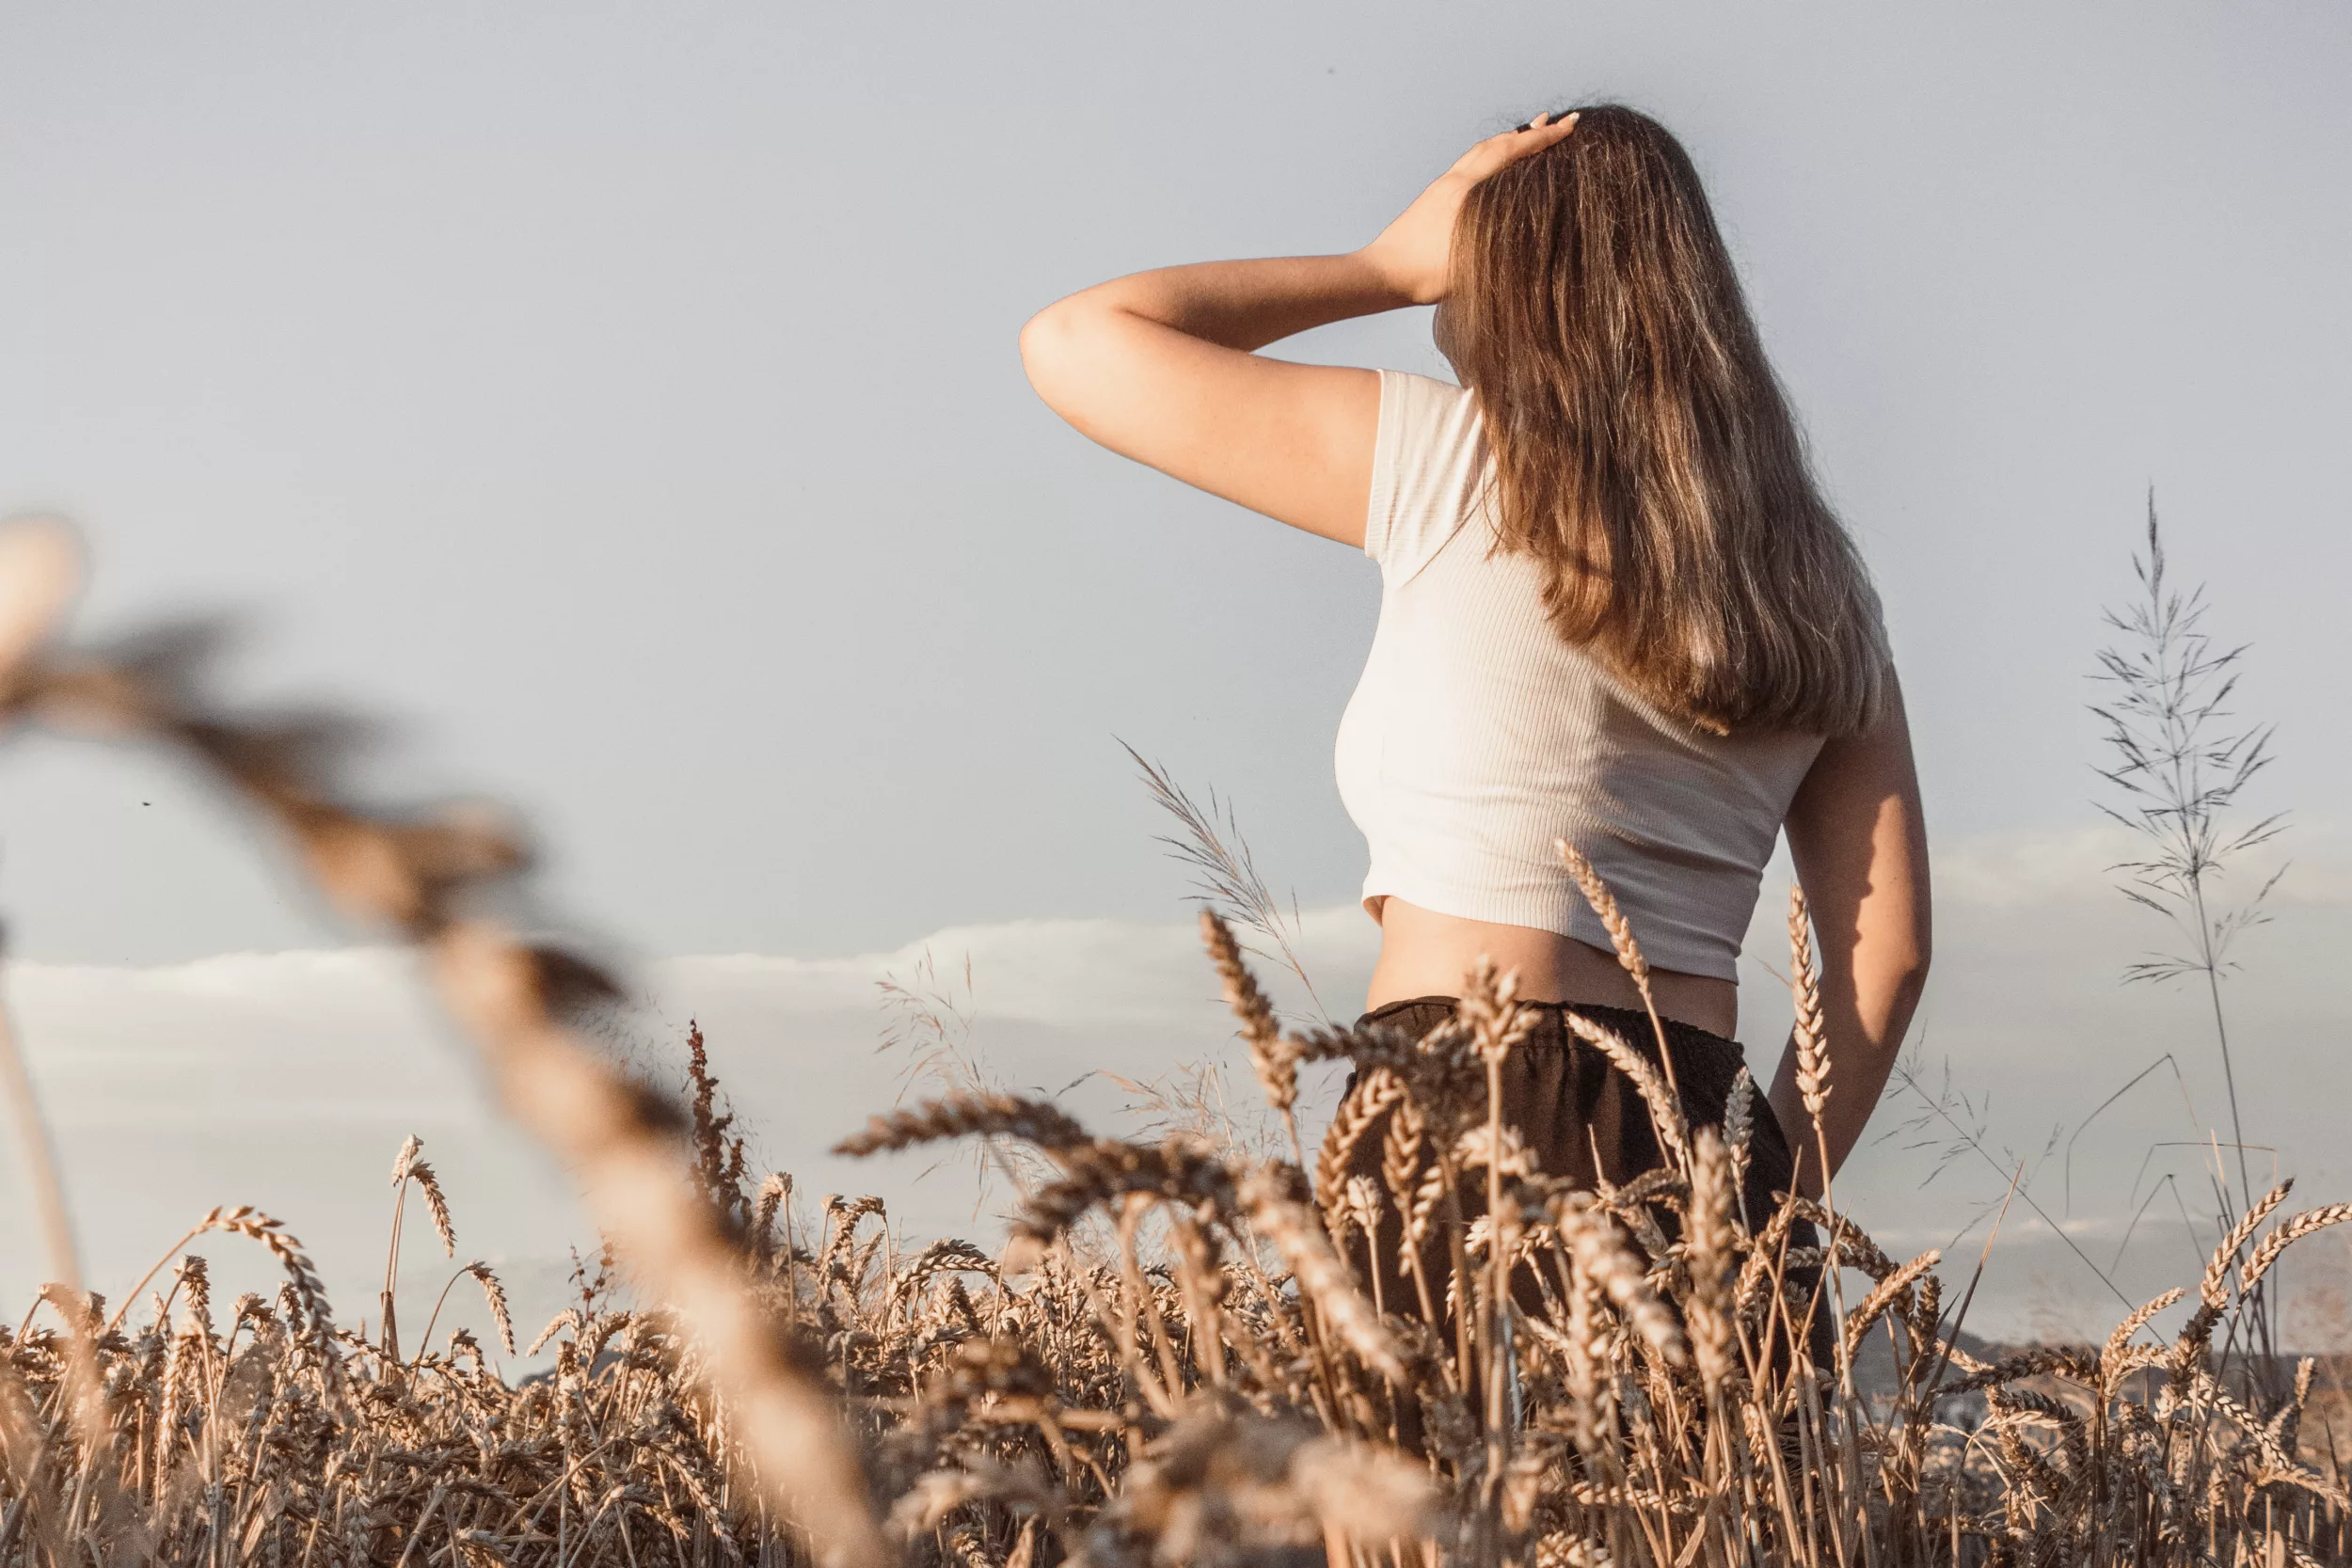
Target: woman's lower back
1423 953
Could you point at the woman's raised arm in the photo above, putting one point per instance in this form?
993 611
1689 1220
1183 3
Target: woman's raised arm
1161 366
1860 852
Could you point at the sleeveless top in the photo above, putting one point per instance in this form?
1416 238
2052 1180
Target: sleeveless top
1478 736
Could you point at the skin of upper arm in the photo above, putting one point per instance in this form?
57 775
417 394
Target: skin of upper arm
1292 441
1856 835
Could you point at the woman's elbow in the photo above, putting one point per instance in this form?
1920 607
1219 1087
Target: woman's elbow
1907 969
1052 343
1038 335
1892 965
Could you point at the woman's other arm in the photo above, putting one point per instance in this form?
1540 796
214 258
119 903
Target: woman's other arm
1860 852
1161 366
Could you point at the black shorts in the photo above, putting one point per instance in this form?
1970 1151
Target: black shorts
1582 1118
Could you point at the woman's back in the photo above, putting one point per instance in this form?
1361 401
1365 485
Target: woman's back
1479 738
1709 617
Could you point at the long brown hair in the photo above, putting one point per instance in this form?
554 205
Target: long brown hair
1643 451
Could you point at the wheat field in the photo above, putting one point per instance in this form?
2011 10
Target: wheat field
1188 1351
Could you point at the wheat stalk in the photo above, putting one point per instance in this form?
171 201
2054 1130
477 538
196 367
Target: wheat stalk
1372 1098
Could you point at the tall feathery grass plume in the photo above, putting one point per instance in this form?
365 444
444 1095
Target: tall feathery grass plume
931 1026
2180 760
1226 877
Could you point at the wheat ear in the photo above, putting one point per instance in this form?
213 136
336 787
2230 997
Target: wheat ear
1740 1127
495 1294
435 1204
1714 1187
1322 1277
1273 1058
1805 981
1883 1296
1600 1255
1629 956
959 1116
2214 1288
2111 1353
1373 1096
2285 1236
1665 1111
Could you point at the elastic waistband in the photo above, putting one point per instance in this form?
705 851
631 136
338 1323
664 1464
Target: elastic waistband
1631 1021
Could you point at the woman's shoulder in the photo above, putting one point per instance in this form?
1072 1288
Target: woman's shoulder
1411 392
1428 462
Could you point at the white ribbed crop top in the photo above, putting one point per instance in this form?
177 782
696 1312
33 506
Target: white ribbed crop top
1478 736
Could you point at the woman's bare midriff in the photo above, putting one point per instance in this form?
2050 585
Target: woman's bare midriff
1426 954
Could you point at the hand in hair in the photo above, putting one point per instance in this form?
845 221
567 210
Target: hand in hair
1414 253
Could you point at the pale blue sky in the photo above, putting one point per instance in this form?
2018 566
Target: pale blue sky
625 402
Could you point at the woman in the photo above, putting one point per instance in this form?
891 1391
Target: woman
1616 612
